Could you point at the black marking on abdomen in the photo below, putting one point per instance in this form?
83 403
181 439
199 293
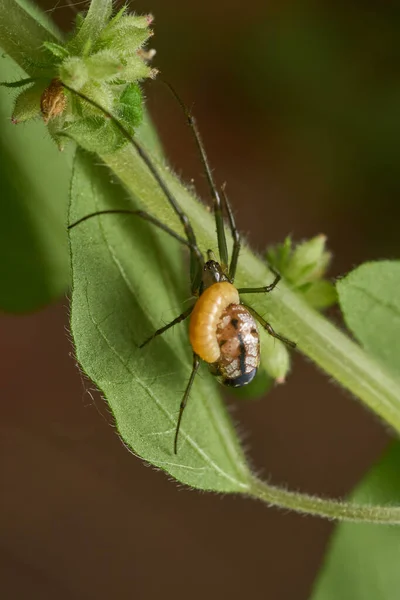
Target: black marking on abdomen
242 354
241 380
234 323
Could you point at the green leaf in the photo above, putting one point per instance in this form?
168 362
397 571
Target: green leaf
56 50
94 134
27 104
34 268
104 65
118 16
370 300
130 107
74 72
136 69
126 36
96 19
320 294
128 281
363 560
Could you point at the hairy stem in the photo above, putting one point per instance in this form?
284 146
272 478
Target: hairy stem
321 507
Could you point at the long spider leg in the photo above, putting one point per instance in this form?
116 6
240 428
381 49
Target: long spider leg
235 235
138 213
196 364
262 290
160 331
219 222
268 327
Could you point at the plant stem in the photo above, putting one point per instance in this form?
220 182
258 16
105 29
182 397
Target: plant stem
331 509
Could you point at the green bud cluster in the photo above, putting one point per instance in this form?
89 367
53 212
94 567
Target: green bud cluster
105 60
304 267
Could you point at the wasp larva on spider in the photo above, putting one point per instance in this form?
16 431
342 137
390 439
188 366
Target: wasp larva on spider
223 329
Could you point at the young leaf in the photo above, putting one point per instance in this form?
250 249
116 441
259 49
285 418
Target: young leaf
56 49
95 20
128 281
130 107
363 560
370 301
92 132
34 269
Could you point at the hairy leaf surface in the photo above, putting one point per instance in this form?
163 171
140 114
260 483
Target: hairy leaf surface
370 301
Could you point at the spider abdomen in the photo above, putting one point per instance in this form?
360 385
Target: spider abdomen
239 344
206 316
224 334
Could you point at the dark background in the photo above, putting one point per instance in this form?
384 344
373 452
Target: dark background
298 103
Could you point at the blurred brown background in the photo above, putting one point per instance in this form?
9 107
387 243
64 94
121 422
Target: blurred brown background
298 103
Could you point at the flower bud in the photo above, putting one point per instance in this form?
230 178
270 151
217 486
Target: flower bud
104 66
53 101
304 267
275 358
27 104
104 60
308 261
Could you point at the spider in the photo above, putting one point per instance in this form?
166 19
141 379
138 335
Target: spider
223 329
